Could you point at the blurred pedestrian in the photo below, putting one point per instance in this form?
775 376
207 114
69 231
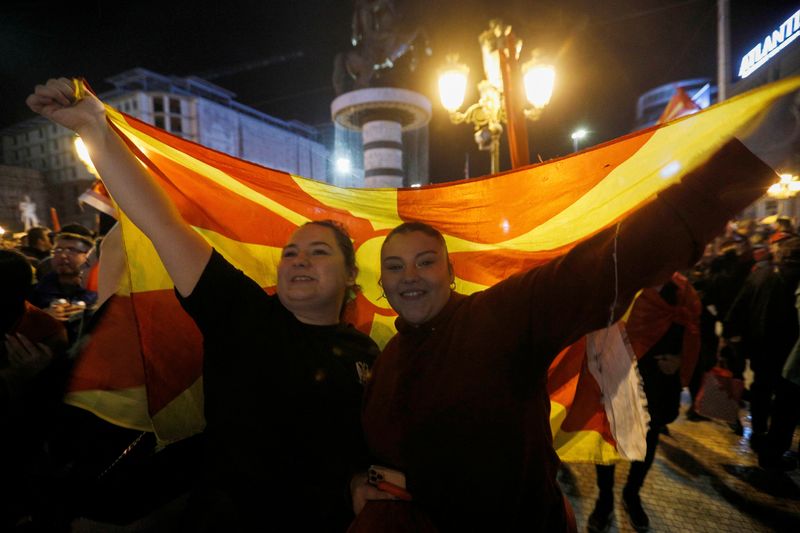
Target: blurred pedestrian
33 369
664 331
763 322
37 245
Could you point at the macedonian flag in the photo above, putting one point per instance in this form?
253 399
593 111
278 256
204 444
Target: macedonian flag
142 366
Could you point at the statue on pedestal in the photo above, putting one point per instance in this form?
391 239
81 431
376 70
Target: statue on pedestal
27 211
379 40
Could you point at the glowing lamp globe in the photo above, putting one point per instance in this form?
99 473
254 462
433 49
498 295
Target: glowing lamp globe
453 85
539 80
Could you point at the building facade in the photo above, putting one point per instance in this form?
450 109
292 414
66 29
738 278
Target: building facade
190 107
765 47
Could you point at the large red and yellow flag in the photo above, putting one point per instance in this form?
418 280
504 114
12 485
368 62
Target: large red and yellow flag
142 367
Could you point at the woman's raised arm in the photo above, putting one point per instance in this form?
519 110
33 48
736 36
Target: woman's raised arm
182 250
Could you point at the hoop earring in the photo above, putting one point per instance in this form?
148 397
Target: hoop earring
453 285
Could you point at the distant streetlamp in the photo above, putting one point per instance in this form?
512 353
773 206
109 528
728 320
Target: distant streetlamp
498 101
343 165
577 136
786 188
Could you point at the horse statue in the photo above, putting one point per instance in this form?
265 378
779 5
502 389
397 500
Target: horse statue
379 39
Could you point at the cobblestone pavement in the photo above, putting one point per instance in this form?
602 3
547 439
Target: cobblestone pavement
704 478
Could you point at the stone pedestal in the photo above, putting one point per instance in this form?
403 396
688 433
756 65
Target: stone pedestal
382 115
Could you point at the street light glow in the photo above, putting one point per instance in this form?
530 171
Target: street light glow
453 84
579 134
343 165
539 82
787 187
491 65
83 155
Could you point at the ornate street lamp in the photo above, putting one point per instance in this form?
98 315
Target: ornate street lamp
497 104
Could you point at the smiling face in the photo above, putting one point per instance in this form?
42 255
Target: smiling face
416 275
312 276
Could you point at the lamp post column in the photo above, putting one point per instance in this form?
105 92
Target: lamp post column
494 148
512 83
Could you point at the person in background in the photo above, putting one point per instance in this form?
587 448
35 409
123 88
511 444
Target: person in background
664 332
763 322
32 373
62 292
786 416
37 245
727 274
785 225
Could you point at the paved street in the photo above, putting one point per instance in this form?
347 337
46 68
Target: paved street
705 478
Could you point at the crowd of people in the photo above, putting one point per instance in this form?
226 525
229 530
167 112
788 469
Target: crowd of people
298 405
751 300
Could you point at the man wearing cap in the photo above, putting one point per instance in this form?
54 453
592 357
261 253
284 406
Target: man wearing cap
61 293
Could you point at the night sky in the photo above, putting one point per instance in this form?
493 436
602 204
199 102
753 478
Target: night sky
606 54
